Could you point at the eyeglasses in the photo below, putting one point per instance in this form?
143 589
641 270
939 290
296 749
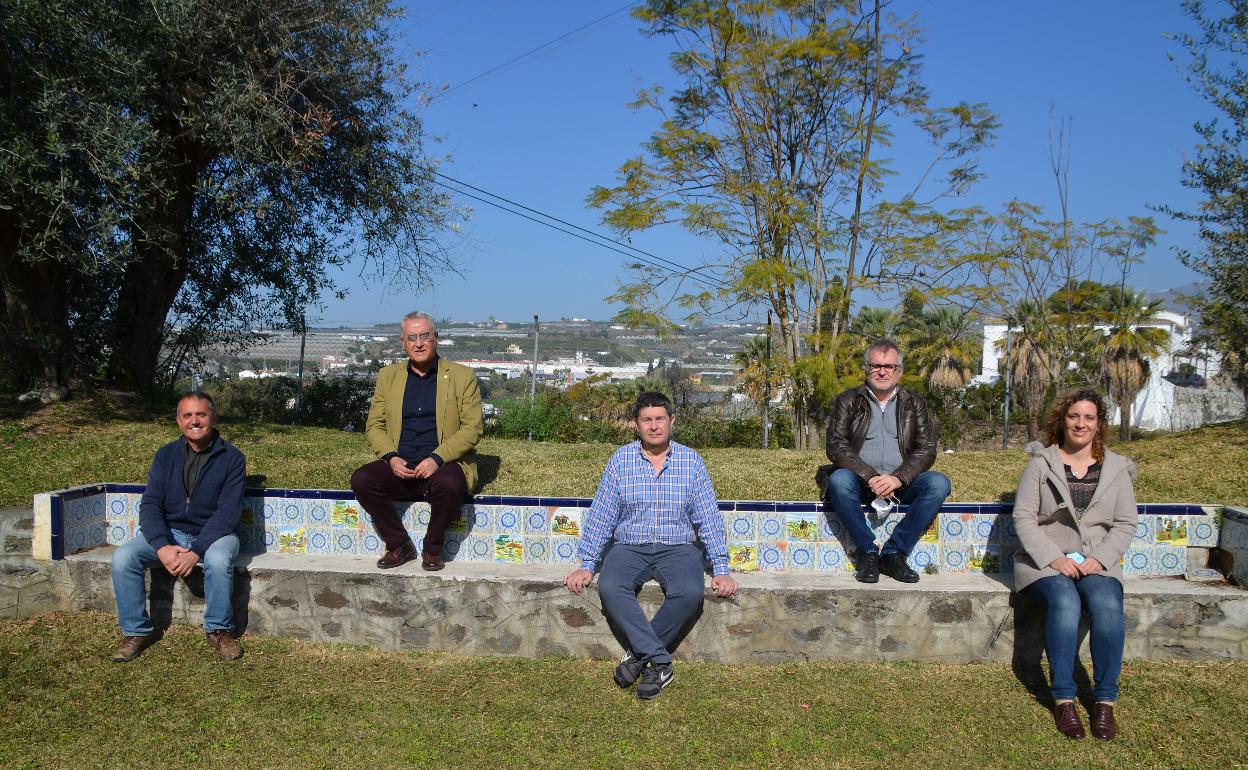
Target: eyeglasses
886 368
422 337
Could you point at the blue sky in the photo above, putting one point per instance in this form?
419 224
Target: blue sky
545 130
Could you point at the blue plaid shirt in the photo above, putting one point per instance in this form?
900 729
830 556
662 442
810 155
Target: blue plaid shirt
634 505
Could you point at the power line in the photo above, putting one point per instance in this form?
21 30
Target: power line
529 52
709 282
667 266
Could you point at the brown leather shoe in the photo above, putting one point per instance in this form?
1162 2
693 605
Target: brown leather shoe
398 557
1103 724
225 644
133 646
431 562
1067 718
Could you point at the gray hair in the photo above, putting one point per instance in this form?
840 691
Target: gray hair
197 395
884 344
417 315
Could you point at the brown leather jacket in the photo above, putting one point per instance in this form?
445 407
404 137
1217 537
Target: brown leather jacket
916 433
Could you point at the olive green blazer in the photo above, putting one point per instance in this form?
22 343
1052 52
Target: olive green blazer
458 415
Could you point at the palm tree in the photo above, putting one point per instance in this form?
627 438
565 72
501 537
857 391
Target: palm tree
755 370
1031 364
945 346
1129 345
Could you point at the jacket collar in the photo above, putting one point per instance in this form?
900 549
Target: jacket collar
1111 466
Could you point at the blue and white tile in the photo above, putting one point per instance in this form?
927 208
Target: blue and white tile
832 529
740 525
454 545
507 520
537 522
291 513
563 550
417 516
98 509
319 540
832 558
1234 535
955 558
982 525
119 532
772 556
76 512
536 549
1170 560
1145 531
117 508
97 534
316 513
370 544
476 547
802 556
344 541
956 528
1202 531
924 554
771 526
1138 561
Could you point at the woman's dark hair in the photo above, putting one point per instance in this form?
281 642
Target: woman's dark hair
1055 423
652 398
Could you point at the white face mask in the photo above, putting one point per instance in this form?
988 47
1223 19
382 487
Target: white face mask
885 505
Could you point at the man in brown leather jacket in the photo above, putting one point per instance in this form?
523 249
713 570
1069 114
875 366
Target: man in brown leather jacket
883 442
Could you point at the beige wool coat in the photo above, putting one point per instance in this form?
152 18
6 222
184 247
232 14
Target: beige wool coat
458 417
1044 517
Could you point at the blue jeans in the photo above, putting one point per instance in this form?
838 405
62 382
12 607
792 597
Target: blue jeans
847 493
1065 600
678 570
130 563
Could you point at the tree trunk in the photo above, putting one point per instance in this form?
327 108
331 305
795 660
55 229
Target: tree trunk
1124 422
36 317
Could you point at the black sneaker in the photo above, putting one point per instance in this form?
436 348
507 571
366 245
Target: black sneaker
628 669
868 568
894 565
653 679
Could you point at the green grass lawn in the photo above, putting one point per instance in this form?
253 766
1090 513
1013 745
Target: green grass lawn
1204 466
288 704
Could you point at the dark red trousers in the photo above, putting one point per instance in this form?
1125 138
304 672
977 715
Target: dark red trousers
377 489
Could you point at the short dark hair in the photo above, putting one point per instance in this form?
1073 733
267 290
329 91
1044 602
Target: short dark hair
1055 425
652 398
198 395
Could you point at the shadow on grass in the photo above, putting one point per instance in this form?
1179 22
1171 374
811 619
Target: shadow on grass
161 588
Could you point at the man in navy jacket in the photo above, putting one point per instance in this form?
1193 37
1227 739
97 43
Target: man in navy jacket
189 514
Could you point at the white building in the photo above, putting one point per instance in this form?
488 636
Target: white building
1160 404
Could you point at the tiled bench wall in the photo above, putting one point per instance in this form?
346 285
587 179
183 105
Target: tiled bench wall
763 536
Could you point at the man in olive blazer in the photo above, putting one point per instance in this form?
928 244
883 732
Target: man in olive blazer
424 424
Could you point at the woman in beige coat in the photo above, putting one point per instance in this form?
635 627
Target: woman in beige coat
1075 515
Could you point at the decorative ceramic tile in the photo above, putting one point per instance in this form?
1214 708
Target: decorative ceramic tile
537 520
98 510
507 520
97 534
566 522
887 527
832 529
268 511
932 533
509 548
317 513
1136 561
1145 531
563 550
370 544
801 557
292 540
1170 560
954 558
1202 531
743 557
1234 535
319 539
771 526
803 527
417 516
986 559
982 525
345 514
923 555
956 528
290 514
116 507
1172 530
454 544
741 525
467 521
76 512
344 541
772 556
831 557
536 549
120 532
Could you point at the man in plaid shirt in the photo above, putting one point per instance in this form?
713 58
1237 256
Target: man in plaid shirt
654 503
